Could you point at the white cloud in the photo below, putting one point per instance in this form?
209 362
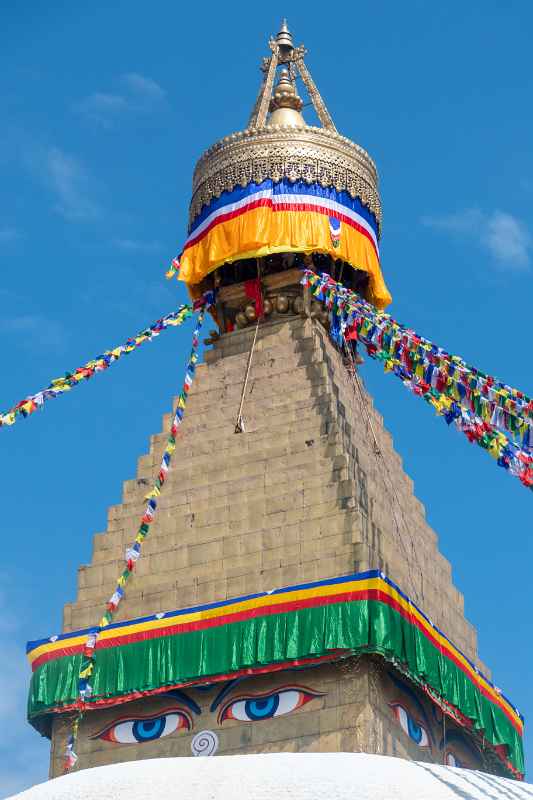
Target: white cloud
139 84
504 236
66 176
62 174
101 108
508 239
9 234
137 94
467 221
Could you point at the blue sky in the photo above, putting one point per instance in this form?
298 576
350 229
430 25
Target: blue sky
104 110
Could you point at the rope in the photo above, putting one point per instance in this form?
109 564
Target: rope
132 555
239 425
379 455
486 411
71 379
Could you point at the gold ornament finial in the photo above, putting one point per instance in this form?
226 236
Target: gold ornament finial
286 110
285 105
284 39
278 143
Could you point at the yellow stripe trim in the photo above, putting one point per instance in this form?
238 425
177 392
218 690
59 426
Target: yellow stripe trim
273 600
260 231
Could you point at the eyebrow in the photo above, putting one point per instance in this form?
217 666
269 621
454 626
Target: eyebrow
223 693
407 689
189 702
458 738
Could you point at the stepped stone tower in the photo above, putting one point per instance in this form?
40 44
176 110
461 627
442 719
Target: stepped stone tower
283 476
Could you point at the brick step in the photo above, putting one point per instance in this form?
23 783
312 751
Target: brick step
201 562
274 365
314 435
221 520
246 535
296 387
192 535
270 497
170 596
262 485
236 536
252 440
270 457
243 579
284 413
125 521
311 476
288 393
260 418
300 496
266 364
315 460
264 575
269 336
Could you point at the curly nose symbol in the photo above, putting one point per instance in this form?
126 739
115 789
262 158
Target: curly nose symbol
205 743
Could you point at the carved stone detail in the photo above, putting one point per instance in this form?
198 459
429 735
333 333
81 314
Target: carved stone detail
306 153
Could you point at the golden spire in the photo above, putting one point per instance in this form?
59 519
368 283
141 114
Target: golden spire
282 100
285 104
284 39
277 143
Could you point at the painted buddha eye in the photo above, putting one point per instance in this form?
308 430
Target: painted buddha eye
452 760
266 706
145 729
416 732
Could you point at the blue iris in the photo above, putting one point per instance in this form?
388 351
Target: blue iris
415 731
262 707
144 730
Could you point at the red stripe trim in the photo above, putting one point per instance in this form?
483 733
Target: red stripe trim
283 608
198 625
55 654
448 653
267 201
106 702
330 213
103 702
261 202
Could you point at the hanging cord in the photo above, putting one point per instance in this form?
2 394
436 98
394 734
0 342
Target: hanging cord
258 302
70 754
444 737
71 379
385 471
132 554
355 380
239 425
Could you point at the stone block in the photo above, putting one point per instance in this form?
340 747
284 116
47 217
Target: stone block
299 497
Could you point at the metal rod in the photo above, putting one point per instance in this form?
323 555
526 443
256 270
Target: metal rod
239 425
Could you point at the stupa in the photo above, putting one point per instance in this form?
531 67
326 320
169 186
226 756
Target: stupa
291 596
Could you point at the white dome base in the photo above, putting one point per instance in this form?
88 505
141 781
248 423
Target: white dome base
280 776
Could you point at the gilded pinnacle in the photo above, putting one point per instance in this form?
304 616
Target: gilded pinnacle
284 38
285 104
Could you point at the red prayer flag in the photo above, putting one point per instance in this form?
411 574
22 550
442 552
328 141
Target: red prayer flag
252 289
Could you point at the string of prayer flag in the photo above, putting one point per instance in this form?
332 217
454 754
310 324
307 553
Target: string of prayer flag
133 552
490 413
65 383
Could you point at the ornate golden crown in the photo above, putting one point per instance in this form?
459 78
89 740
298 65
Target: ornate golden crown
282 145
